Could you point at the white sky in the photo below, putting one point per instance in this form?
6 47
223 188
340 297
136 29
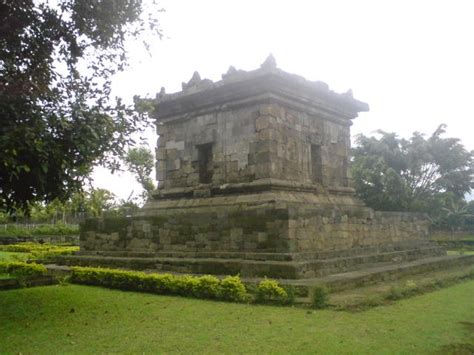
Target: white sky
411 61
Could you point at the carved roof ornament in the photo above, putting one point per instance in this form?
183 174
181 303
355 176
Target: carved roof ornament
196 83
268 79
195 79
349 93
162 91
231 71
269 63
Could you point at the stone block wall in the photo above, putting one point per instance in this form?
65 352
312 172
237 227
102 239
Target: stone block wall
325 229
193 231
230 133
256 142
286 137
277 223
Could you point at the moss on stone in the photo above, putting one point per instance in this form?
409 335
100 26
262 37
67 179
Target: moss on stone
90 224
250 222
114 224
158 220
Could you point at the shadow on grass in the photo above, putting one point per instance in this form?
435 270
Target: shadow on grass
461 348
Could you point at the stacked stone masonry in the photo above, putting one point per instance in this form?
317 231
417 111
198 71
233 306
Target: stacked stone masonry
253 179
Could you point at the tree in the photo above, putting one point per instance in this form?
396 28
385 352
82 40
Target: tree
140 161
456 215
57 117
392 173
99 200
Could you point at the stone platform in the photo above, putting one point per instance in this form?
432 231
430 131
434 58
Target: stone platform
280 266
383 272
254 180
278 234
367 275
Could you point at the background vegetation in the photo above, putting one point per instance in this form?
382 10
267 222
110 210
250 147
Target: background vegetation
431 175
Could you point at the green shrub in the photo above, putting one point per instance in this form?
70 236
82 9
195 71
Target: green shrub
186 285
411 285
13 230
40 251
271 291
15 248
207 287
291 293
56 229
121 279
395 293
22 270
230 288
408 289
370 301
165 283
319 297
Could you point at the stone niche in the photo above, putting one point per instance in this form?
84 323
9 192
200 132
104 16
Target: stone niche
253 179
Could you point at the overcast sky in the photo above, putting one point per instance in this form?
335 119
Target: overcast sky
411 61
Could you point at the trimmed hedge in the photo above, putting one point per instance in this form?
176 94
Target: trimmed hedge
22 270
230 288
270 291
40 251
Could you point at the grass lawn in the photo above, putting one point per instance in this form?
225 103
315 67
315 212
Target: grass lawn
80 319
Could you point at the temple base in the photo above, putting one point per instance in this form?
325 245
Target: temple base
279 234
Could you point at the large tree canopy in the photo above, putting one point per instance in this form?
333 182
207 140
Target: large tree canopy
57 119
392 173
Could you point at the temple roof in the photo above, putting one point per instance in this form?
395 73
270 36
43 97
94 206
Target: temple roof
264 84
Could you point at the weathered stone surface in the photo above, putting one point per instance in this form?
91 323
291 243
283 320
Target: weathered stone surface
253 179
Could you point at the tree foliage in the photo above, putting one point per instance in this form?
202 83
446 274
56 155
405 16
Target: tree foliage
455 215
140 161
91 203
57 117
392 173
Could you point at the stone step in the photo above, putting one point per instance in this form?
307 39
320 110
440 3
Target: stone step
8 284
379 273
360 251
212 266
251 268
267 256
343 264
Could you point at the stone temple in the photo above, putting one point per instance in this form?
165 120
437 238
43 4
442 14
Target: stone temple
254 180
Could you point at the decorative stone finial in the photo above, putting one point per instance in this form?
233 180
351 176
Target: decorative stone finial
231 71
195 79
162 91
348 93
269 63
